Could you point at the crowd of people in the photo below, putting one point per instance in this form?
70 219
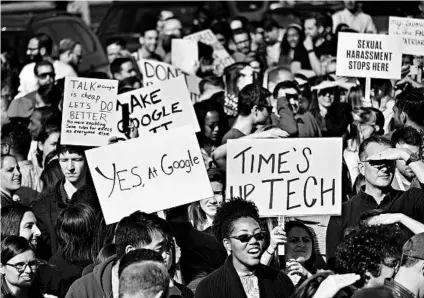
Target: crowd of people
283 84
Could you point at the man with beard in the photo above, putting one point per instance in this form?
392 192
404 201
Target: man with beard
172 28
47 93
273 37
70 56
149 42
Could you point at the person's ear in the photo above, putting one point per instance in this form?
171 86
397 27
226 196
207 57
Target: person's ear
141 40
377 128
43 51
321 29
227 245
361 167
129 248
403 117
2 269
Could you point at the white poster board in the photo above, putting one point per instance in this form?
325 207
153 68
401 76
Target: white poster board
158 107
291 177
221 57
185 54
369 55
149 174
89 111
412 33
155 72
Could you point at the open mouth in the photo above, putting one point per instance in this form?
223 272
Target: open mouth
254 251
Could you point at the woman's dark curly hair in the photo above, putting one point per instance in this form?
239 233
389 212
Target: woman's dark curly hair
367 248
228 213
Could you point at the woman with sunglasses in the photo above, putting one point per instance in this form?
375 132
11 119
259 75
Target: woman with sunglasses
366 123
18 268
236 226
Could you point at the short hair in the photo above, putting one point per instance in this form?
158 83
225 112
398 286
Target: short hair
373 139
229 212
44 41
365 249
319 18
67 44
40 64
222 28
239 32
269 25
137 229
11 217
116 65
144 280
17 136
62 149
74 230
411 102
212 80
138 255
286 85
116 40
249 96
13 246
407 135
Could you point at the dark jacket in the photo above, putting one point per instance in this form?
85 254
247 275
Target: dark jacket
49 280
6 200
97 284
70 271
47 210
225 283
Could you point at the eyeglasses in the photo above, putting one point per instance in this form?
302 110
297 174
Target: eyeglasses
381 163
46 74
268 108
20 267
246 237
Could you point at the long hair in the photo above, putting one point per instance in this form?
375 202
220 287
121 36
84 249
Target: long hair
231 75
314 105
285 46
12 246
195 213
74 230
103 237
355 96
11 217
45 133
50 176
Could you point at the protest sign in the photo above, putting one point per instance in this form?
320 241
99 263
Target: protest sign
155 72
412 33
291 177
149 174
185 54
369 55
221 57
157 108
89 111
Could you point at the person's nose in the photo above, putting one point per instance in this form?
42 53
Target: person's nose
37 231
70 166
28 269
16 172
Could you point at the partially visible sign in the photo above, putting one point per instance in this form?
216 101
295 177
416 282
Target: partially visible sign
185 54
292 177
89 111
412 33
369 55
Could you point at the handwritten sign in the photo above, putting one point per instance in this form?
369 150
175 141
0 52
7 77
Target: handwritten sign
412 33
89 111
149 174
221 57
369 55
155 72
292 177
158 107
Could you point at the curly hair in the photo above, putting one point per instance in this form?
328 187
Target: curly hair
367 248
229 212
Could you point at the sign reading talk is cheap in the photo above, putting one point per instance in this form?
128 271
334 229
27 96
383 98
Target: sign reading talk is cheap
369 55
412 33
292 177
149 174
221 57
155 72
89 111
158 107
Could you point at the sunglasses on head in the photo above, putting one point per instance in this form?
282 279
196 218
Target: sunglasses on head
46 74
244 238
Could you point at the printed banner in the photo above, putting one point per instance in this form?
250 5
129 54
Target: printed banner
292 177
149 174
89 111
412 33
369 55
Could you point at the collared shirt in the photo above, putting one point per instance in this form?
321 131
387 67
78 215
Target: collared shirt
410 203
397 289
360 21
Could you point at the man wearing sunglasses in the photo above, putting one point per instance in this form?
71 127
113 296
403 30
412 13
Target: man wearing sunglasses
378 163
409 280
289 107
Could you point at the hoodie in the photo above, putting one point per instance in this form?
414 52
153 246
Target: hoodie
97 284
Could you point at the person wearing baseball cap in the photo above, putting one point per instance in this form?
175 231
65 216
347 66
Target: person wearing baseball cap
409 280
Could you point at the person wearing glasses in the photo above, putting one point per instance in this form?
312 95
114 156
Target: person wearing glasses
289 106
237 227
378 157
18 268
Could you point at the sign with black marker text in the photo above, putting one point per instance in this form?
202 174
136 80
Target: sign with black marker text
89 111
369 55
291 177
412 33
149 174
